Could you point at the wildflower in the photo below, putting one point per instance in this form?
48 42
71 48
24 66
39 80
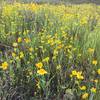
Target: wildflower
60 46
94 62
39 65
74 72
30 49
83 21
19 40
91 50
98 71
15 44
93 90
13 54
27 40
4 65
85 96
41 72
21 55
79 76
83 88
96 80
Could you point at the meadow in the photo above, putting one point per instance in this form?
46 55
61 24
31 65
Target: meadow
49 52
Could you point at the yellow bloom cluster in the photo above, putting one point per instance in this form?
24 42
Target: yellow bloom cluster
77 74
40 71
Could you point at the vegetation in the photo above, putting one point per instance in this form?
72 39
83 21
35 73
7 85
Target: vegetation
49 51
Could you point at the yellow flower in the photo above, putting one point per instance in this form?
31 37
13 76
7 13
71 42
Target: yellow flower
60 46
83 88
91 50
42 72
4 65
15 44
93 89
96 80
19 40
98 71
21 55
30 49
27 40
79 76
85 96
39 65
13 54
83 21
74 72
94 62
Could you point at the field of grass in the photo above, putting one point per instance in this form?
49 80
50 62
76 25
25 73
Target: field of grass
49 52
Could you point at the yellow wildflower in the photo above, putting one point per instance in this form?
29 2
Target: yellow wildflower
83 21
27 40
13 54
91 50
82 87
98 71
19 40
4 65
15 44
74 72
39 65
79 76
93 89
96 80
85 96
21 55
42 72
30 49
94 62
